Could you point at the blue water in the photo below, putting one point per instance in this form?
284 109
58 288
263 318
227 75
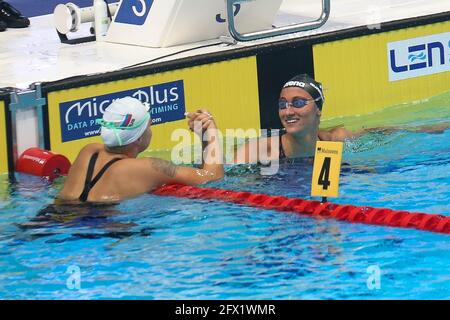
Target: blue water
169 248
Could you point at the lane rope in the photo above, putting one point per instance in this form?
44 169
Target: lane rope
355 214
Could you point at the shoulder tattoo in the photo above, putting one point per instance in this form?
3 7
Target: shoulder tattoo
163 166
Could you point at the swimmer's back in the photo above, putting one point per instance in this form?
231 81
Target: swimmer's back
125 178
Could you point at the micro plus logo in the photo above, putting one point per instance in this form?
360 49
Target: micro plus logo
419 56
78 118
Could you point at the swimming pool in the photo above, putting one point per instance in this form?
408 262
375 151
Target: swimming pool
156 247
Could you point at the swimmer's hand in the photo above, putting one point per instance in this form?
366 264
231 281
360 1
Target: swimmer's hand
202 118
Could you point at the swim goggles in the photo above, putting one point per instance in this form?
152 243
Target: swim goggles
296 103
115 127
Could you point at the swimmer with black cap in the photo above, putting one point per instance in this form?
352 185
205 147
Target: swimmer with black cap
111 172
299 108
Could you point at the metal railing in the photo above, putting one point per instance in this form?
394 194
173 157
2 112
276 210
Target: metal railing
305 26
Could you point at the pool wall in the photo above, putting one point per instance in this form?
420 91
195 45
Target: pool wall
353 66
226 88
6 152
241 86
358 72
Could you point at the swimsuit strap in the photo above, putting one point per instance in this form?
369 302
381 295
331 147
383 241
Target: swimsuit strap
89 184
281 153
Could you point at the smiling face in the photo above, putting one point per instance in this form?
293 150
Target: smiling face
299 121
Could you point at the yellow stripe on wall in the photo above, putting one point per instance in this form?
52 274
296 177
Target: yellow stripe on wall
354 73
3 144
228 89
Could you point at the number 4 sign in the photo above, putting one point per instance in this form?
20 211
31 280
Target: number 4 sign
327 167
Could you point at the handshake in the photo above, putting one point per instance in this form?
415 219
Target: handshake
200 121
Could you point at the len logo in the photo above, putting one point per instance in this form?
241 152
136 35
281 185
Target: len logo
419 56
425 57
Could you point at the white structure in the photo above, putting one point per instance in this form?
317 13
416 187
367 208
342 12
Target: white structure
165 23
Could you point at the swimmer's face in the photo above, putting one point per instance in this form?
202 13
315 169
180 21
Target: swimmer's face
299 120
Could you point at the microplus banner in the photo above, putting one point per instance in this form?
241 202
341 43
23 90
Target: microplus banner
78 117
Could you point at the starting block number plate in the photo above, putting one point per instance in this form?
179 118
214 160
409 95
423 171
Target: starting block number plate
134 11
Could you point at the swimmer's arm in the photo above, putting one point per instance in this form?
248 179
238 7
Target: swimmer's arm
165 172
212 156
436 129
212 160
341 134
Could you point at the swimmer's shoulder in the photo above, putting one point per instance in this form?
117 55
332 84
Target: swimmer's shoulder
86 152
145 166
160 166
92 148
336 134
132 173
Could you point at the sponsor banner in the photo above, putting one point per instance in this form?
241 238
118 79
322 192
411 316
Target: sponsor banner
419 56
360 76
3 140
228 89
78 117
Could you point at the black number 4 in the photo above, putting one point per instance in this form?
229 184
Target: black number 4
324 177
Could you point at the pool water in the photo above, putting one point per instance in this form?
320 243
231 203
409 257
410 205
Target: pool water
155 247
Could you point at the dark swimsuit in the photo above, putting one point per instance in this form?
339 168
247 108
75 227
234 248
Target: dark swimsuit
281 153
67 212
89 182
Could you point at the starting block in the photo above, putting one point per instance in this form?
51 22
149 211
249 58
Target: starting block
165 23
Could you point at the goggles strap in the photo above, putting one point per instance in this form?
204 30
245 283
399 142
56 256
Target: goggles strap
113 125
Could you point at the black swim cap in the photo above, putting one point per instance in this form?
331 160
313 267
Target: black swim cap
310 85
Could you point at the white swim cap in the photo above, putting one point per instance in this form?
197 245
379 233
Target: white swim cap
124 121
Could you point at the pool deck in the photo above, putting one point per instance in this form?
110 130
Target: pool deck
36 54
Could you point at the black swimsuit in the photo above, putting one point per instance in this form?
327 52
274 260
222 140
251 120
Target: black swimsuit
77 213
281 153
89 182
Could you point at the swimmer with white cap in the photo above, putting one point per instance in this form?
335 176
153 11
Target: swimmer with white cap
111 172
299 108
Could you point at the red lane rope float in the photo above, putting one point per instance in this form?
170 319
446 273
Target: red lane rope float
350 213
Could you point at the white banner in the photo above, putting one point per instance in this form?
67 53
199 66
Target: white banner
419 56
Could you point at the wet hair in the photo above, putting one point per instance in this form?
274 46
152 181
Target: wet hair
310 85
